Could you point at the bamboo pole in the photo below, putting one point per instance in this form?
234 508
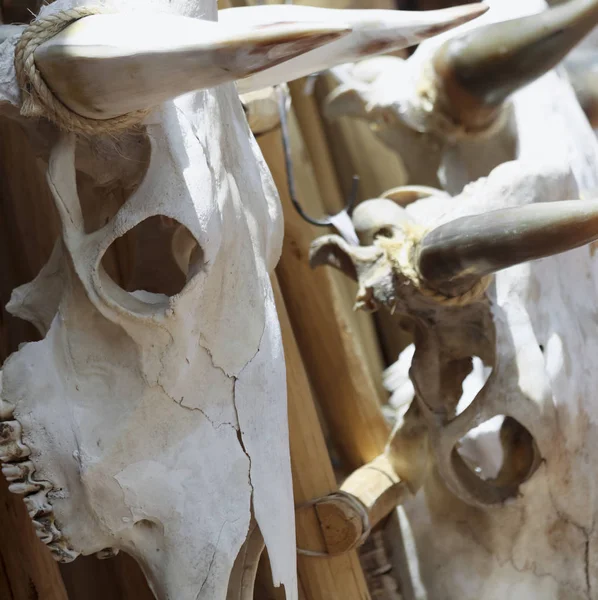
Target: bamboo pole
321 578
378 487
321 320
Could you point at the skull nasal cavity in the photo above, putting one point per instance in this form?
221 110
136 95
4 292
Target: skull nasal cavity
158 255
473 383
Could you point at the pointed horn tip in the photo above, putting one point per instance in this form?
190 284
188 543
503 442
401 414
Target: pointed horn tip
451 18
457 15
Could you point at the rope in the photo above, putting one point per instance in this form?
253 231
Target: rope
356 505
38 100
402 254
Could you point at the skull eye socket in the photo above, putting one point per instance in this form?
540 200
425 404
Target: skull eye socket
158 256
497 456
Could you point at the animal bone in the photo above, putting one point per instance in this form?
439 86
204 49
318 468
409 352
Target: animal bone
170 56
373 32
505 328
449 111
534 339
137 422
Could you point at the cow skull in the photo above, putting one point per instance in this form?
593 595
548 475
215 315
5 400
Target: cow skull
450 110
457 267
152 417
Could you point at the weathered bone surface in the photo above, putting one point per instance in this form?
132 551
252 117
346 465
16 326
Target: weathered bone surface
515 511
373 32
142 420
448 110
137 422
528 329
183 54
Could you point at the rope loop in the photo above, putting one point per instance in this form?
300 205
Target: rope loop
38 100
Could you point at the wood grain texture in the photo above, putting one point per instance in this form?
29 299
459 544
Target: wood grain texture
313 477
27 223
321 320
357 150
305 108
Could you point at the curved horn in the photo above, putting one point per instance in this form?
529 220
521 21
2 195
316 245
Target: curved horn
460 252
477 71
106 65
373 32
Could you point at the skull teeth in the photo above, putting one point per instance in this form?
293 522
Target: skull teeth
19 474
11 447
61 552
46 530
37 504
18 471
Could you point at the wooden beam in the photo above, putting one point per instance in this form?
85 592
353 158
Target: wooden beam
378 487
357 150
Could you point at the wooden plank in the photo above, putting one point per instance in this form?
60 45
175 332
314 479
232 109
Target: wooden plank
378 487
313 477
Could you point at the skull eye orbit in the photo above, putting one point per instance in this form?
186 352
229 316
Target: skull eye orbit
158 255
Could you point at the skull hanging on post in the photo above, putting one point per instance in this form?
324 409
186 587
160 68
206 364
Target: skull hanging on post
458 268
138 421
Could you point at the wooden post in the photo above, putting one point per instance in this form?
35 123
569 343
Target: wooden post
308 117
322 321
358 150
27 570
321 578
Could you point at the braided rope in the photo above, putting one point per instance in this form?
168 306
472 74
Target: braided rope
402 254
38 100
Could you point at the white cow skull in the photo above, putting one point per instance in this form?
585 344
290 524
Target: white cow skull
449 110
522 527
154 420
524 531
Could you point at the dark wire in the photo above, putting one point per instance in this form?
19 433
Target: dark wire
327 221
